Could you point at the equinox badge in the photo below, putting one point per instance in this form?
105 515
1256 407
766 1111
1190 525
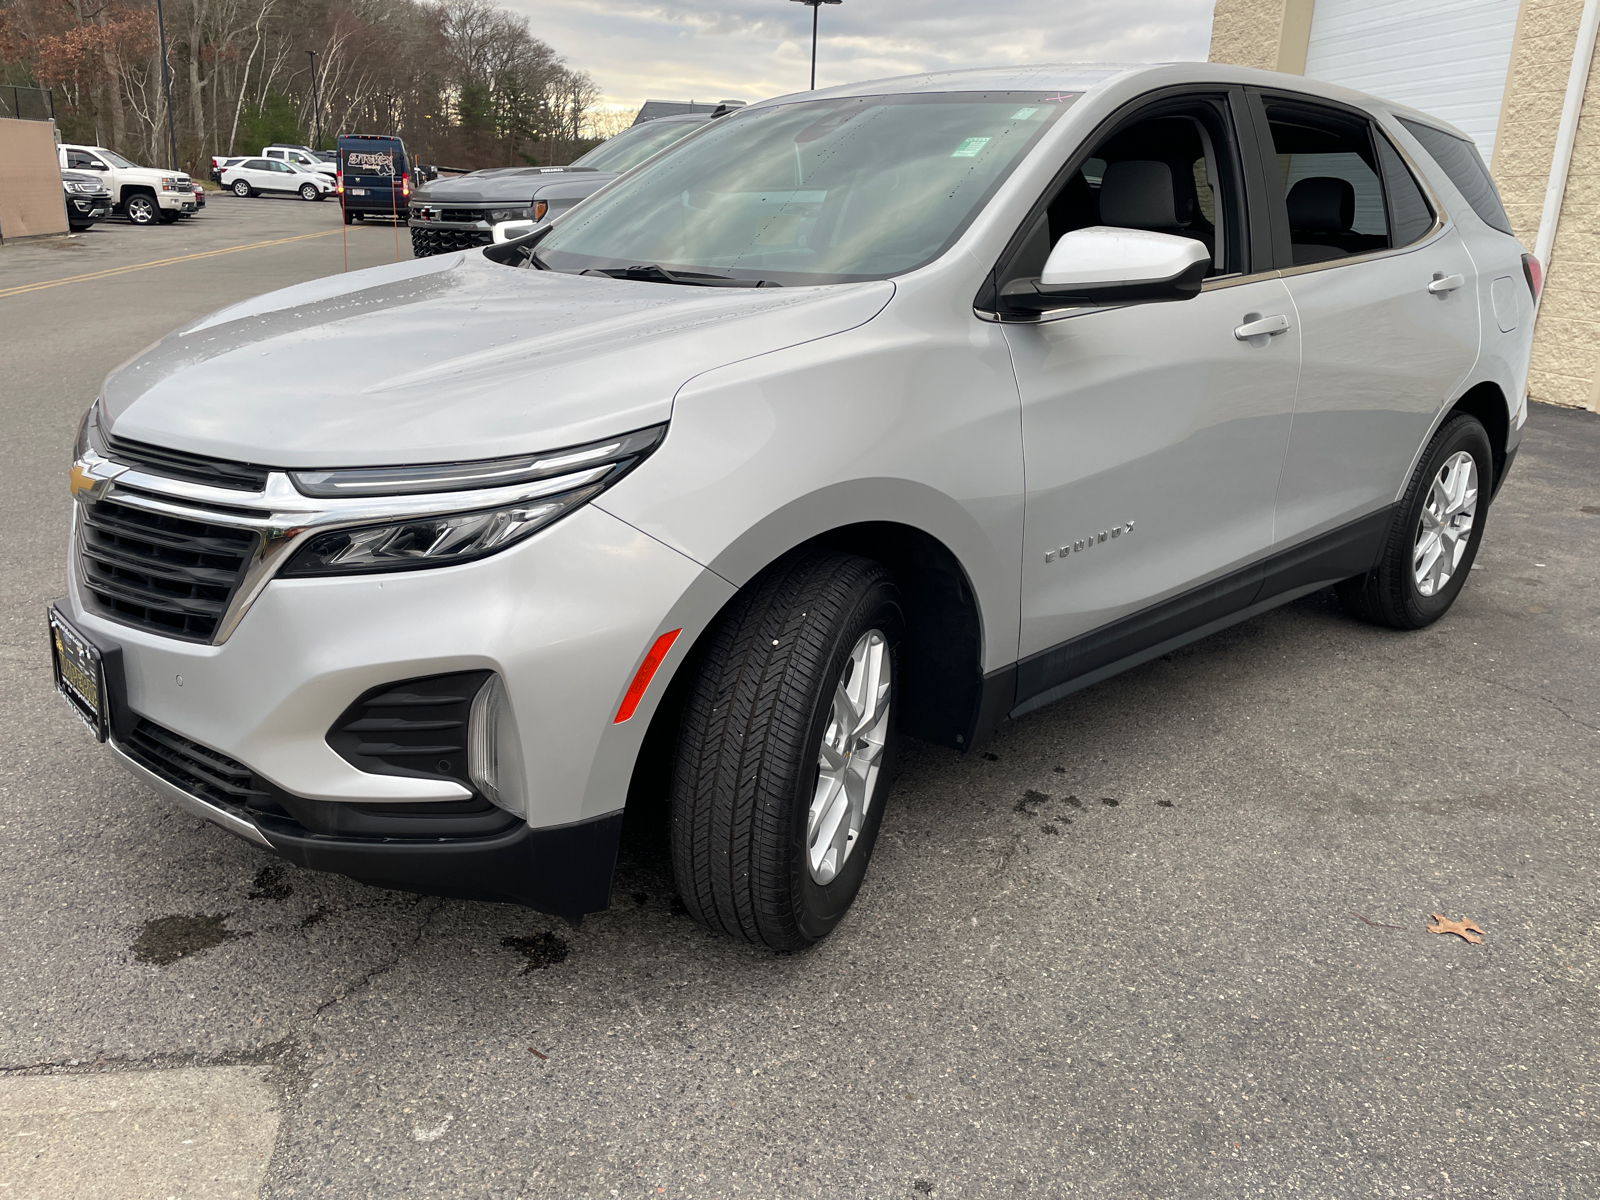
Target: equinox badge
1083 544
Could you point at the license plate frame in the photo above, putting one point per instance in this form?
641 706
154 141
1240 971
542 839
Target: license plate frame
80 674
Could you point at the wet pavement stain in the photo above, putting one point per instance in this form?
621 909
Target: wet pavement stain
321 914
1164 803
1073 801
1030 802
164 940
269 884
542 950
1109 802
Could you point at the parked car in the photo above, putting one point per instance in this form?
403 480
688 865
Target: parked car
87 199
303 157
884 411
143 194
199 197
485 207
253 176
374 177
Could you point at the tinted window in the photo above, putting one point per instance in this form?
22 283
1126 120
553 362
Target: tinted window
1460 160
815 191
257 164
1410 215
1328 168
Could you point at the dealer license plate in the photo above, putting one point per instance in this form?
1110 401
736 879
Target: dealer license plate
80 673
358 191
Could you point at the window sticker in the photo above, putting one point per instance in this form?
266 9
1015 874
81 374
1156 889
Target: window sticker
969 148
1022 114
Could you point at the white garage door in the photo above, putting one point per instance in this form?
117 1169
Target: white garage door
1446 57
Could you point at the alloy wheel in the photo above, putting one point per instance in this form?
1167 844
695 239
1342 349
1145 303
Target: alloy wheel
1445 528
141 210
850 758
241 188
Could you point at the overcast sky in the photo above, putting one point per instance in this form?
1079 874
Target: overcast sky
750 49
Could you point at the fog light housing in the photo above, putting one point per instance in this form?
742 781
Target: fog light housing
494 758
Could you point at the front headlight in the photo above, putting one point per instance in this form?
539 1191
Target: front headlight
552 485
90 437
174 184
496 215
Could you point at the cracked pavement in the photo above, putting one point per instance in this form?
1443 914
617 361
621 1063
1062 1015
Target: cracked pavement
1218 985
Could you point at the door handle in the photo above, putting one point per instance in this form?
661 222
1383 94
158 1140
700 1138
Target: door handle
1256 326
1445 284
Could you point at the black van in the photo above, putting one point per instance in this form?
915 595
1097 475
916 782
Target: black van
374 176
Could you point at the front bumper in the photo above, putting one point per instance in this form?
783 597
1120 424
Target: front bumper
564 618
85 210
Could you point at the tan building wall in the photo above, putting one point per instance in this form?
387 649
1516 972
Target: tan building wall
31 202
1566 341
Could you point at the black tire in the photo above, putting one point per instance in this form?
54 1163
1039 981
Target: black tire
168 216
141 208
1389 593
80 228
748 745
242 189
308 191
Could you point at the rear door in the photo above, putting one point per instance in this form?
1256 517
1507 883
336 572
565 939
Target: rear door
1386 297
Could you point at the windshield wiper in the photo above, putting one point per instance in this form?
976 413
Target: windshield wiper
656 273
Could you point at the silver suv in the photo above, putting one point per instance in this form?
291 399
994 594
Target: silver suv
885 411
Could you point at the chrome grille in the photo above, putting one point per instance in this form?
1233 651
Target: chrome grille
179 464
425 241
170 575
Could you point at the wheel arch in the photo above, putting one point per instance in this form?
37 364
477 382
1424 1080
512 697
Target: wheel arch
942 667
1488 403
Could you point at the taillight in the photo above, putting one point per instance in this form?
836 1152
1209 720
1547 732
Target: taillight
338 182
1534 274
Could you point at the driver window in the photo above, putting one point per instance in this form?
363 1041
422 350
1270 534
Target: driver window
1171 171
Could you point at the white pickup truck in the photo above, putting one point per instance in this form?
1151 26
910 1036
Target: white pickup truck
302 157
144 194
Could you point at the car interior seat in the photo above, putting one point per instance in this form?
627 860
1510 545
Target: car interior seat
1322 211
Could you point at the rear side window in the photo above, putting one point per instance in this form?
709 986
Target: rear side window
1410 215
1459 159
1328 167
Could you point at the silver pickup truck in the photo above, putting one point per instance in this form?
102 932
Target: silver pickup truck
487 207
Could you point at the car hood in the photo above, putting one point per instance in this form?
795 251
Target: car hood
451 357
501 187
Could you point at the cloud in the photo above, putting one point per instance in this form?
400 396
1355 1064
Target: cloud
751 49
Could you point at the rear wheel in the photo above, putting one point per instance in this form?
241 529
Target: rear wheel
787 750
141 208
241 188
1434 538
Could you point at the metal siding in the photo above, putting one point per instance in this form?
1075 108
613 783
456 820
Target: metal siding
1445 57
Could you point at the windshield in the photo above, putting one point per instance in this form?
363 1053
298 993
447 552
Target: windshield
819 191
116 160
633 145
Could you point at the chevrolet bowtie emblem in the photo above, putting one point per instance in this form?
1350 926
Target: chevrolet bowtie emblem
79 480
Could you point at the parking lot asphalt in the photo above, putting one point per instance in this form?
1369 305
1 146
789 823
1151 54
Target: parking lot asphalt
1163 939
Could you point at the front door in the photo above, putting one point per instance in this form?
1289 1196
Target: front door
1153 435
1386 296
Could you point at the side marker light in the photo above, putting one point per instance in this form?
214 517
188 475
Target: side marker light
646 672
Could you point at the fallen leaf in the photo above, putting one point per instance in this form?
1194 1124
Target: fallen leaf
1465 930
536 1054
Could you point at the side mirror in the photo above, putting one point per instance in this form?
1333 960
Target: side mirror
1103 265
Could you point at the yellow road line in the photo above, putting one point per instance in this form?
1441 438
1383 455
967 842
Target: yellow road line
160 262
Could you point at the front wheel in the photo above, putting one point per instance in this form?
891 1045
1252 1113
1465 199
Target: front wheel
241 188
787 750
1435 534
308 191
141 209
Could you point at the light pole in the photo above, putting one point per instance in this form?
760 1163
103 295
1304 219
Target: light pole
813 5
316 104
166 86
